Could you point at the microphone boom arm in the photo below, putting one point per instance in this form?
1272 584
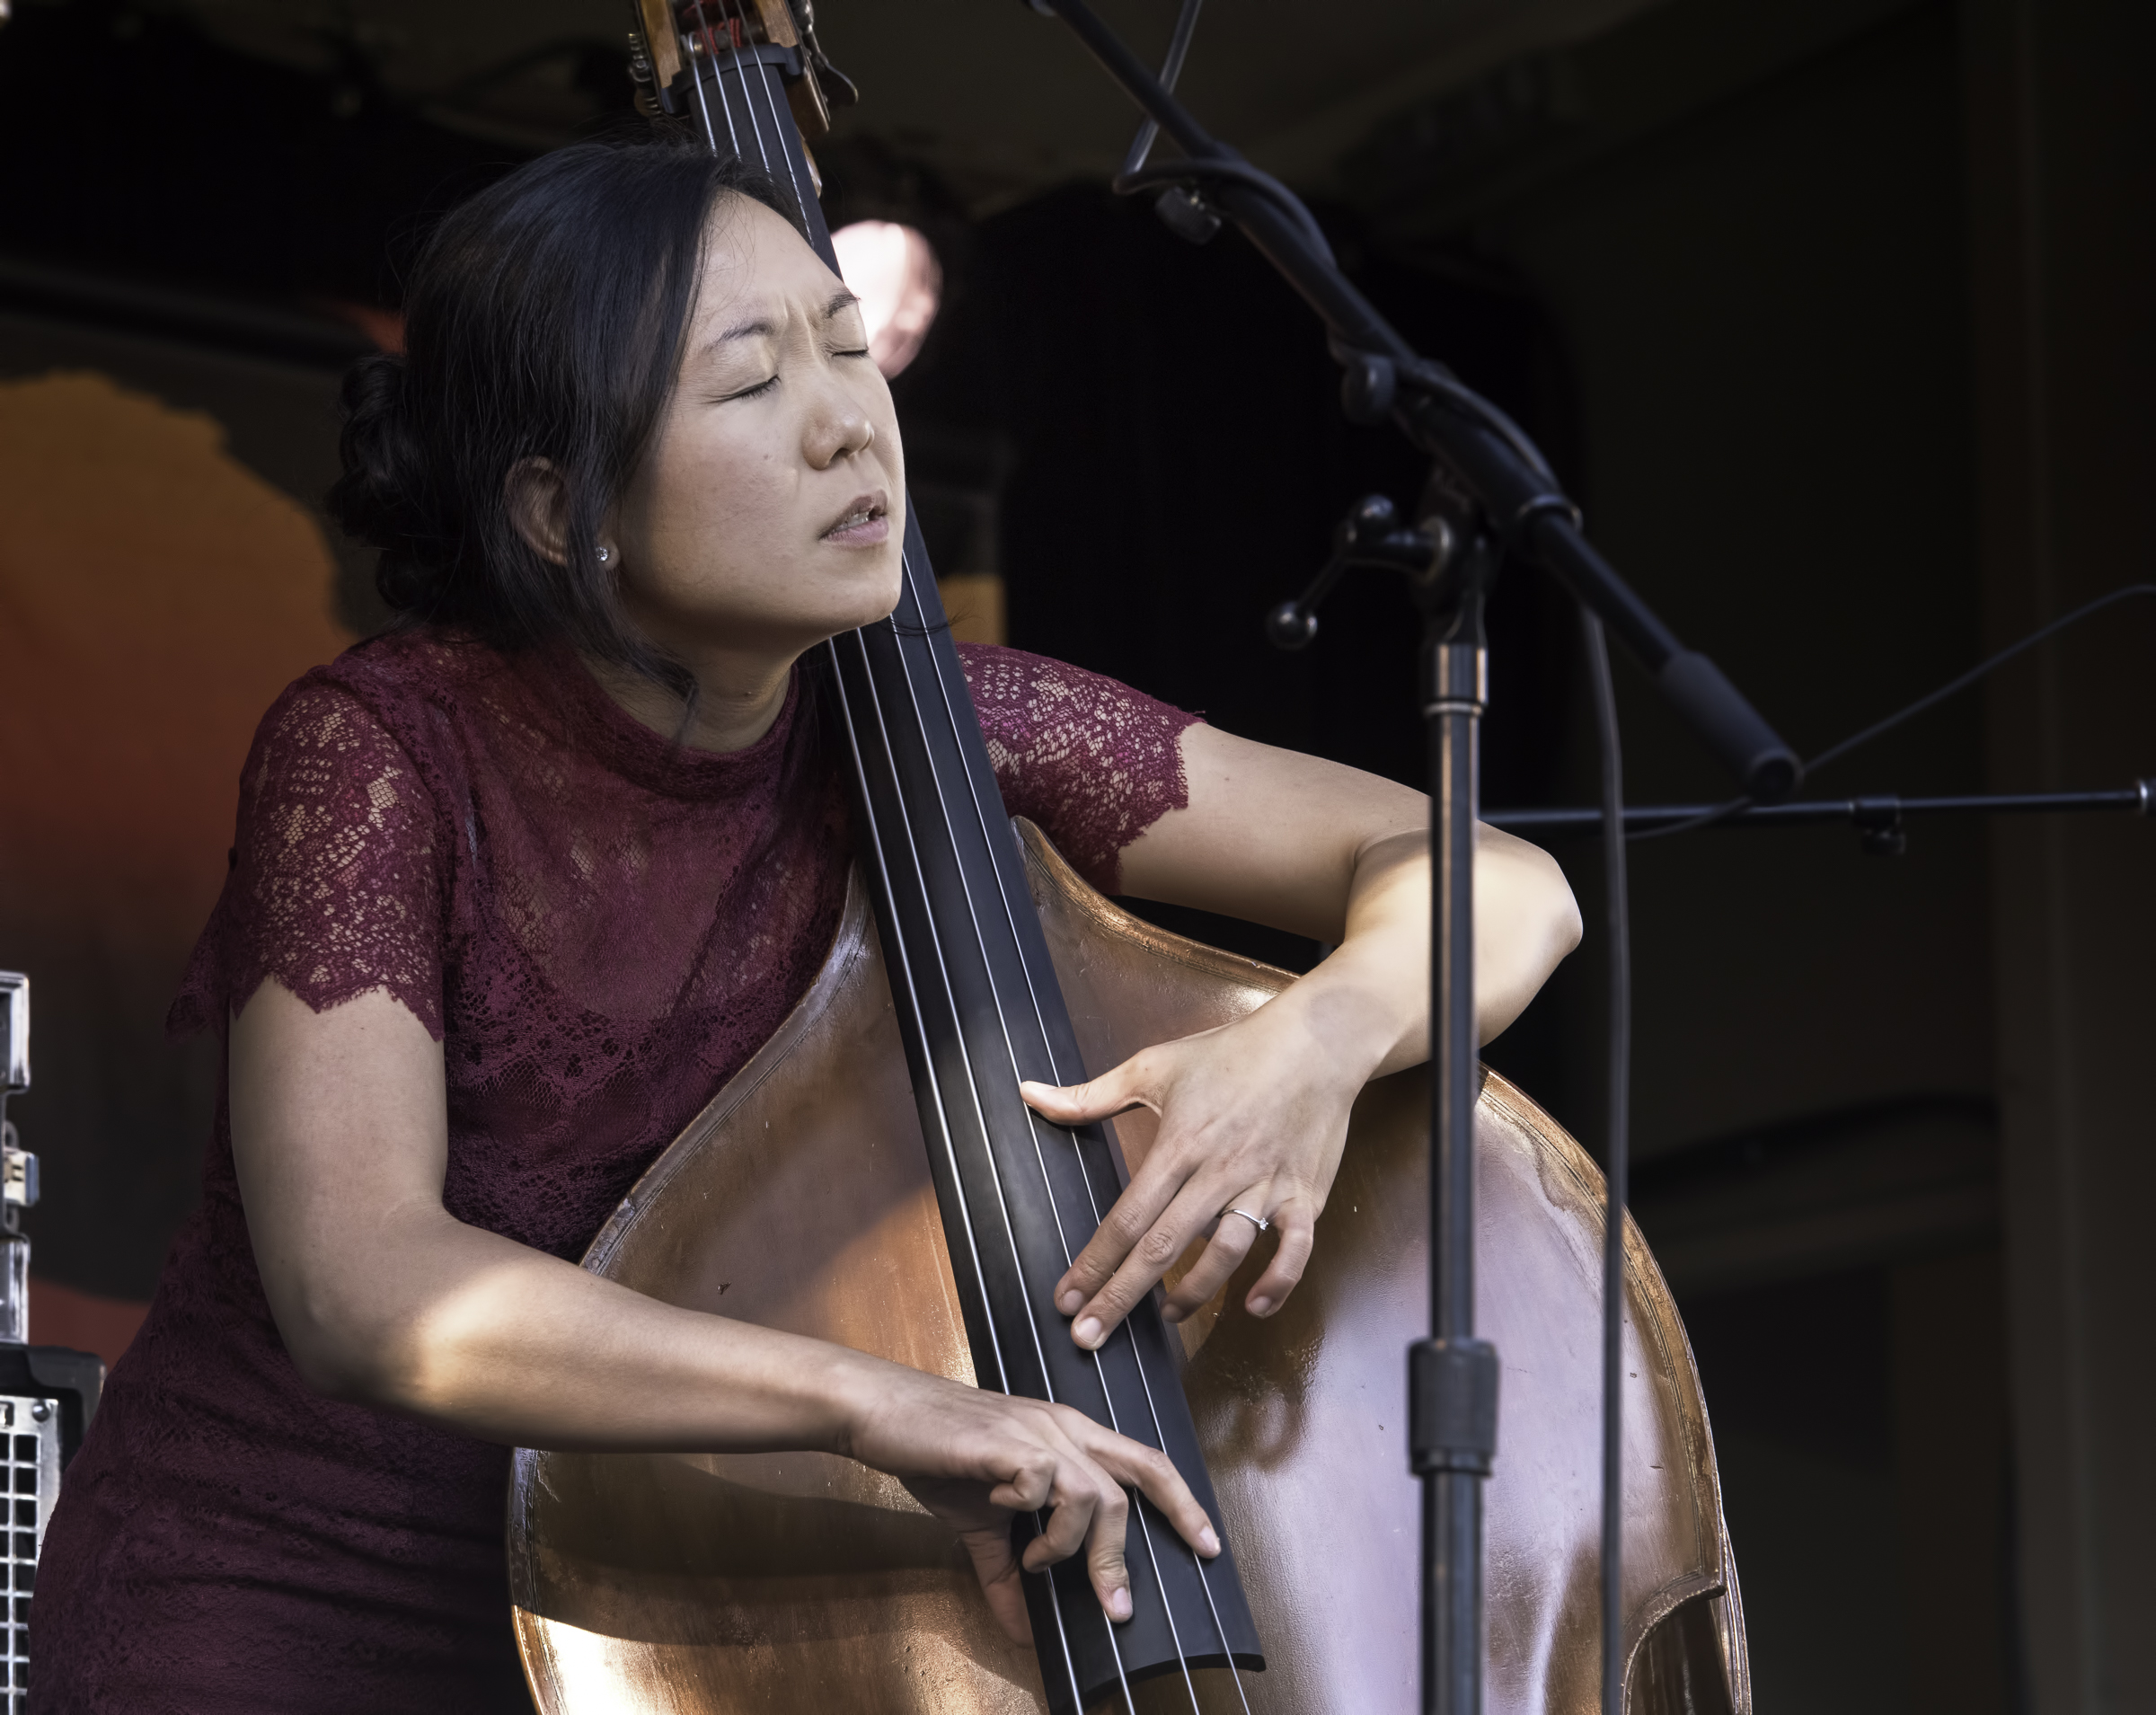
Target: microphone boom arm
1496 464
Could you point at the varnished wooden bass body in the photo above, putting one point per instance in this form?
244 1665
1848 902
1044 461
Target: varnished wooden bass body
800 1198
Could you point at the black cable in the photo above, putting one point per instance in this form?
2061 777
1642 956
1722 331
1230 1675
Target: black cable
1834 753
1437 379
1977 672
1179 45
1720 813
1616 1159
1204 160
1433 378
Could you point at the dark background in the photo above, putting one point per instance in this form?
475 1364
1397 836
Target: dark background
1833 314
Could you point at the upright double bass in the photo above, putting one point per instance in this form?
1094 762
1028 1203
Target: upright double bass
813 1195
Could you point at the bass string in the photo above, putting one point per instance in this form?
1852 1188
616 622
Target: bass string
1085 1174
1011 1052
904 964
1168 1606
766 74
906 972
736 35
704 107
972 1080
1063 1639
726 105
973 1084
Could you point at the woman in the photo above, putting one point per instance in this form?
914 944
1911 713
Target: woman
519 884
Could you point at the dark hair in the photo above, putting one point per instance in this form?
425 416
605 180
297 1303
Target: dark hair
544 319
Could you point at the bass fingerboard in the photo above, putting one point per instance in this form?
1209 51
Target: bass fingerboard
980 1010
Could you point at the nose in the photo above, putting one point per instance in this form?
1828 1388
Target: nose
839 432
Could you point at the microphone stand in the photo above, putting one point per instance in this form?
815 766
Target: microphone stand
1876 818
1495 497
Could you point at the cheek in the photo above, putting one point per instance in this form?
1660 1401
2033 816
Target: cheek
884 414
719 509
713 481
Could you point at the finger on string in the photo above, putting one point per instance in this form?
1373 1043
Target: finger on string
1233 1241
1129 1219
1154 1475
1104 1549
1070 1519
1145 1261
1298 1230
998 1571
1114 1091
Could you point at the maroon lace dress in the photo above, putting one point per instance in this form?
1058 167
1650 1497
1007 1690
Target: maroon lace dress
601 928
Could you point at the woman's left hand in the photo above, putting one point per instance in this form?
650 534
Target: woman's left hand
1253 1117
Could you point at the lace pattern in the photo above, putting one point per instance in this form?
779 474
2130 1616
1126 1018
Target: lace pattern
335 889
1092 761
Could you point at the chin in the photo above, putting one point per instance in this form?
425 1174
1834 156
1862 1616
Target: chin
852 616
824 603
873 598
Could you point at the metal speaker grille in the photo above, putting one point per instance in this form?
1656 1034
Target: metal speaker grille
30 1429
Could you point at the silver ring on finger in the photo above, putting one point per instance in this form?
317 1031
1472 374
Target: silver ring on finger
1262 1224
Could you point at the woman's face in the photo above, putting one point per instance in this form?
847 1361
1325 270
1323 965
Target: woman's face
769 511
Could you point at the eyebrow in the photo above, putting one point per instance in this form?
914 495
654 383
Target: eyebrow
761 328
764 327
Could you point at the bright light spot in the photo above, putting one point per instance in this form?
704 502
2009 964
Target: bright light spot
900 285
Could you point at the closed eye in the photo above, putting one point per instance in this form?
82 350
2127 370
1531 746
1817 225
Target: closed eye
762 386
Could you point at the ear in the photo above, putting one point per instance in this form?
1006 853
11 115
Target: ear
538 502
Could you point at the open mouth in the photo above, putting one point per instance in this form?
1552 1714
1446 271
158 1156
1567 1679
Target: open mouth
864 521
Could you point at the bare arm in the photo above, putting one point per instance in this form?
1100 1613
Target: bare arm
1254 1115
340 1138
1310 846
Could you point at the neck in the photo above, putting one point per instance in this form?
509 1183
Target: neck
737 697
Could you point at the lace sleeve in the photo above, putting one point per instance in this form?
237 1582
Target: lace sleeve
336 886
1093 761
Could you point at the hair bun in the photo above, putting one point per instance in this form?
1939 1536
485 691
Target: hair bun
385 498
544 319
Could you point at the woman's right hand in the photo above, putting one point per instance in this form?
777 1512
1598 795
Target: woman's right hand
973 1458
340 1133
